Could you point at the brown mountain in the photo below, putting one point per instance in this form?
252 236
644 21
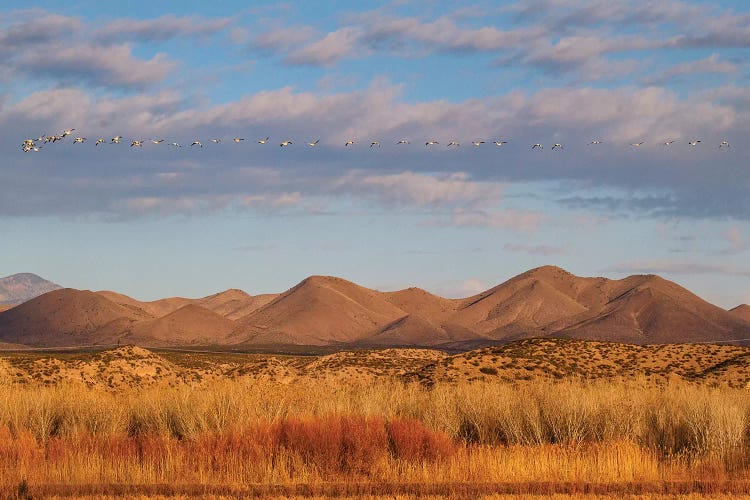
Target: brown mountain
742 311
67 317
155 308
235 304
188 325
320 310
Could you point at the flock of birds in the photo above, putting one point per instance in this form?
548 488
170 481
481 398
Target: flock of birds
37 144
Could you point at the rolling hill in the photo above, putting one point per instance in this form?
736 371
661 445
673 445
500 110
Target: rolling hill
329 311
742 311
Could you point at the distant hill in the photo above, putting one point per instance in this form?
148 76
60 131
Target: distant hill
333 312
19 288
742 311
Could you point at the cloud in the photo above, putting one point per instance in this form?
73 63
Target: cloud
110 66
678 267
283 39
160 28
413 189
534 249
327 51
736 241
516 220
710 65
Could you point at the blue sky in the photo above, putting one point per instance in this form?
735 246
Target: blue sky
161 221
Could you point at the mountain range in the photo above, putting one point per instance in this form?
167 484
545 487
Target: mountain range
19 288
330 311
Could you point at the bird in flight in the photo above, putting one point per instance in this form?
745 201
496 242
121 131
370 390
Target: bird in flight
98 141
557 145
595 142
67 132
175 144
477 143
431 143
724 144
403 141
537 146
694 142
285 143
637 144
454 144
116 139
196 143
157 141
137 144
79 140
348 143
499 143
216 141
375 143
238 139
313 143
669 142
263 141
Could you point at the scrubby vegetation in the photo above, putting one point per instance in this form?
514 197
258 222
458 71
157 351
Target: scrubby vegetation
249 436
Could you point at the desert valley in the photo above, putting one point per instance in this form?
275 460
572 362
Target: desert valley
632 386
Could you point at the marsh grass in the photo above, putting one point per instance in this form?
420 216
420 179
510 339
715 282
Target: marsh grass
246 433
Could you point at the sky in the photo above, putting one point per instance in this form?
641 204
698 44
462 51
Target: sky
159 221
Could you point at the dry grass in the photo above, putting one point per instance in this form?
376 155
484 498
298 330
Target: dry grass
314 437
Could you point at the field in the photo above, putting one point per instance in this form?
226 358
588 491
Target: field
368 423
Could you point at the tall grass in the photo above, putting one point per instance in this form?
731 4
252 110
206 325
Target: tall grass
243 432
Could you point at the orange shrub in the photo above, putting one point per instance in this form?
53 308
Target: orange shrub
410 440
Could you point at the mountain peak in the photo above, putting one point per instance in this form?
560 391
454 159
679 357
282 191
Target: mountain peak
19 288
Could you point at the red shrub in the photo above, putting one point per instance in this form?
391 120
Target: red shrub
410 440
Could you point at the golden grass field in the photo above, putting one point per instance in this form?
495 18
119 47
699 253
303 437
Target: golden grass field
401 423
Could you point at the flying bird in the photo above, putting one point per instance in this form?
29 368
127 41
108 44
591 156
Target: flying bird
98 141
216 141
157 141
537 146
454 143
175 144
348 143
637 144
238 139
116 139
431 143
313 143
724 144
477 143
263 141
285 143
669 142
694 142
499 143
79 140
67 132
557 145
403 141
137 144
375 143
196 143
595 142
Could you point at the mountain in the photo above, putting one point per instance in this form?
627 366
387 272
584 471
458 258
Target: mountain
19 288
188 325
67 317
321 310
742 311
329 311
